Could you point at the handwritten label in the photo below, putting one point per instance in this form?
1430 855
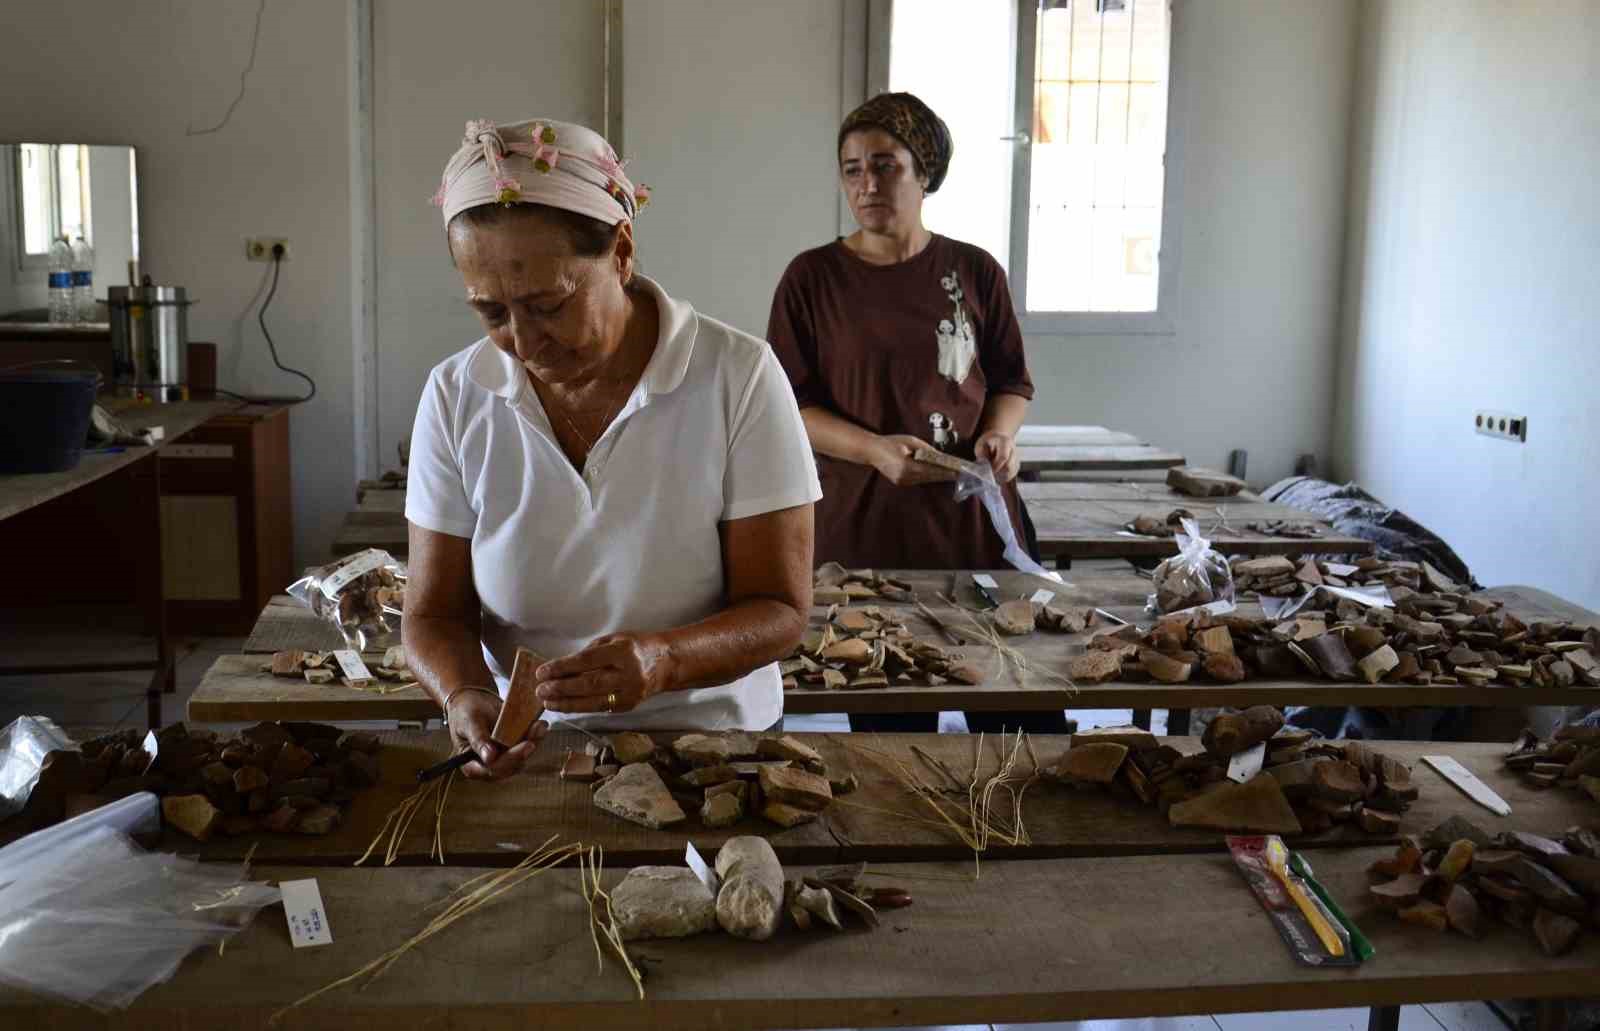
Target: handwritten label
358 565
352 666
1247 764
707 876
308 922
1042 597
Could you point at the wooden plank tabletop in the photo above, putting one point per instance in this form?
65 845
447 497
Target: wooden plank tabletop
383 501
487 824
18 493
1041 458
234 689
1028 941
1039 434
285 623
1088 520
373 529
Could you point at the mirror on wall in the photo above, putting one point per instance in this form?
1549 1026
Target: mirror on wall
75 190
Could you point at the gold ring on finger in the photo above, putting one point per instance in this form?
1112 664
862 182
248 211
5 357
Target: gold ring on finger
611 702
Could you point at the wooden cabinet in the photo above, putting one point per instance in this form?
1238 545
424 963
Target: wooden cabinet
227 529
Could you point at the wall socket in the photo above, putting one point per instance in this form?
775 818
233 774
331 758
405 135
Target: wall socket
1501 424
259 248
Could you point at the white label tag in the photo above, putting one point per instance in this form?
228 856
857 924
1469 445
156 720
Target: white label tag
1247 764
1340 570
1042 597
985 580
151 747
358 565
1451 770
351 664
697 863
302 904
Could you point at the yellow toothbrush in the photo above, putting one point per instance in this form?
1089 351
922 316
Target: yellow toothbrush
1278 862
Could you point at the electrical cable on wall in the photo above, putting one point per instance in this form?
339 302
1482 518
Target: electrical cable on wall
261 320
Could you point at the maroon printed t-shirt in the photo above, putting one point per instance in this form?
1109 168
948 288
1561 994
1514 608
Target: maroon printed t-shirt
913 348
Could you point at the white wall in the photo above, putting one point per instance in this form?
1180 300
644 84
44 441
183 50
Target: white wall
105 72
110 216
730 110
1263 92
1472 281
431 72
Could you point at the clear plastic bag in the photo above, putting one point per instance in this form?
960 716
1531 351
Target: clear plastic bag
357 594
97 920
23 745
977 479
1195 577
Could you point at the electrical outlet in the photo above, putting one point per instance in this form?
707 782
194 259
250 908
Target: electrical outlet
1501 424
259 248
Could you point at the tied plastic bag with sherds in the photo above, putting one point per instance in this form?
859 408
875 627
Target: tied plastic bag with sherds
1196 576
357 594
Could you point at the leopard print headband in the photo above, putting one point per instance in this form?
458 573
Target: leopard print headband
914 124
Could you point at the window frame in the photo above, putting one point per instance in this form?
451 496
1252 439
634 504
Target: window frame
27 268
874 17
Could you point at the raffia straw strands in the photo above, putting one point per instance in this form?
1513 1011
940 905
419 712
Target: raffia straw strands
602 922
479 892
400 818
983 632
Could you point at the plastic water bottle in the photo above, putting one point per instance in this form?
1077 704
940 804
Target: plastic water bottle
83 281
61 308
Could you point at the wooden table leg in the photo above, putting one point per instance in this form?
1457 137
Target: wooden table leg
1141 718
1178 722
146 479
1384 1018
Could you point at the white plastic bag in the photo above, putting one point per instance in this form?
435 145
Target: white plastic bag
23 745
1196 577
357 594
96 920
977 478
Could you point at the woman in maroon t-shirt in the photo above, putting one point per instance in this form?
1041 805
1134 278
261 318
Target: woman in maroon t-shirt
894 338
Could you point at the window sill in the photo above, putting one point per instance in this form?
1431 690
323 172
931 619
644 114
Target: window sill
1097 323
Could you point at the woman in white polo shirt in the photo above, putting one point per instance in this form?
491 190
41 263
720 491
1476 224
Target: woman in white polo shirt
608 478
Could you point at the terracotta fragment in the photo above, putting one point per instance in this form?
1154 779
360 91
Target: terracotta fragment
1014 618
194 815
1337 781
787 815
662 902
1428 914
722 810
1403 891
1555 933
1224 668
579 767
638 794
853 652
1132 738
795 787
1164 669
1256 806
702 750
291 762
1094 666
787 747
1091 763
1378 664
1331 655
1375 821
1231 733
710 776
1457 861
248 778
321 819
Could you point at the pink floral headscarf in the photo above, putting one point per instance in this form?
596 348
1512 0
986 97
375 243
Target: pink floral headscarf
539 162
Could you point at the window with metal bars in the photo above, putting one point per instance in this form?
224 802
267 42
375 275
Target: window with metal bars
1064 148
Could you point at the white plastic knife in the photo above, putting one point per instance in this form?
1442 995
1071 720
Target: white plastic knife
1452 770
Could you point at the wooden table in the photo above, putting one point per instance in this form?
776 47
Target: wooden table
1086 520
1045 448
492 824
369 528
1028 941
235 689
1109 913
21 493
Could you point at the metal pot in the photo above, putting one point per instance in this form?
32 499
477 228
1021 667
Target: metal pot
150 342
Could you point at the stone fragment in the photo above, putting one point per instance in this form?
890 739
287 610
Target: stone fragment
750 900
843 785
1552 891
737 788
1091 763
1453 828
1462 911
1331 655
662 902
787 747
630 747
359 741
287 663
578 767
1225 668
710 776
1555 933
818 902
1378 663
1457 860
1256 806
1094 666
787 816
1264 568
1014 618
722 810
638 794
281 820
1163 668
1403 891
833 680
702 750
320 675
1134 739
248 778
1582 872
1214 640
321 820
1428 914
1375 821
1337 781
1233 732
852 652
790 785
192 814
291 762
1203 483
359 770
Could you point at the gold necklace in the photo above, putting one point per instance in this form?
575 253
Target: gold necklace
588 444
